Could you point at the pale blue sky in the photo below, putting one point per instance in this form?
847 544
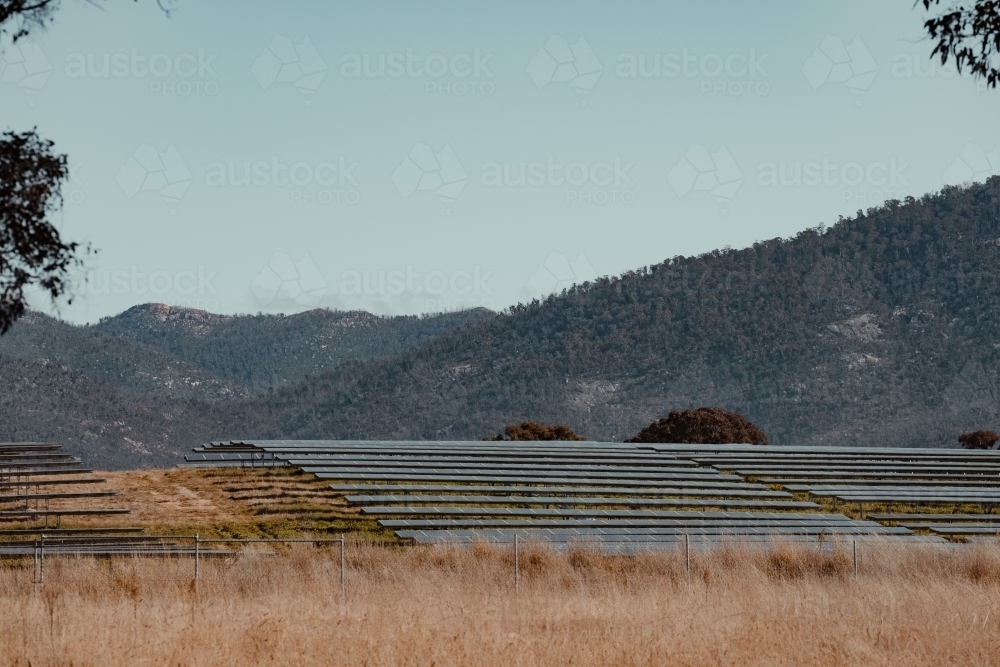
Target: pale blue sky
389 193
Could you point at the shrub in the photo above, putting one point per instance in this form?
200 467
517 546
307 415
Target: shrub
711 425
978 439
536 431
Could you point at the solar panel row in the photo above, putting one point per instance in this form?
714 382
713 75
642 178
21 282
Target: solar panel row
702 450
495 468
105 547
593 512
571 498
934 517
764 529
798 484
676 488
592 486
608 479
635 537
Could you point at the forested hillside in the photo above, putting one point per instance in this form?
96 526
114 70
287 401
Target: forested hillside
881 329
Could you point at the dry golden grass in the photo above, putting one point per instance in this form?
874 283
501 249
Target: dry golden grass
220 502
914 605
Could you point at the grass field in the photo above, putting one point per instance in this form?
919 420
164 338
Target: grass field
911 605
421 606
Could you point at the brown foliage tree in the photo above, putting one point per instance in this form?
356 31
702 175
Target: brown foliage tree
536 431
711 425
978 439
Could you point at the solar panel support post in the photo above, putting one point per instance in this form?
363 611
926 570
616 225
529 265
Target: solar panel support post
517 564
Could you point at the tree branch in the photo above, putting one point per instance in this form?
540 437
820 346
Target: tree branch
970 35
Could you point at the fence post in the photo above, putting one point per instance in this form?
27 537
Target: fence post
517 565
343 587
41 562
197 559
855 559
687 553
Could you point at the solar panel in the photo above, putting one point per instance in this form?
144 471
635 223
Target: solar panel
923 525
901 490
918 499
964 529
935 518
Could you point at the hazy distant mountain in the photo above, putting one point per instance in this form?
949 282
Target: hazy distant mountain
879 330
140 387
109 425
113 360
261 351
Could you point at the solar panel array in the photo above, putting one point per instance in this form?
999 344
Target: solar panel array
945 484
609 493
41 484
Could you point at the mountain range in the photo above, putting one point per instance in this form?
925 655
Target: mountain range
141 387
878 330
